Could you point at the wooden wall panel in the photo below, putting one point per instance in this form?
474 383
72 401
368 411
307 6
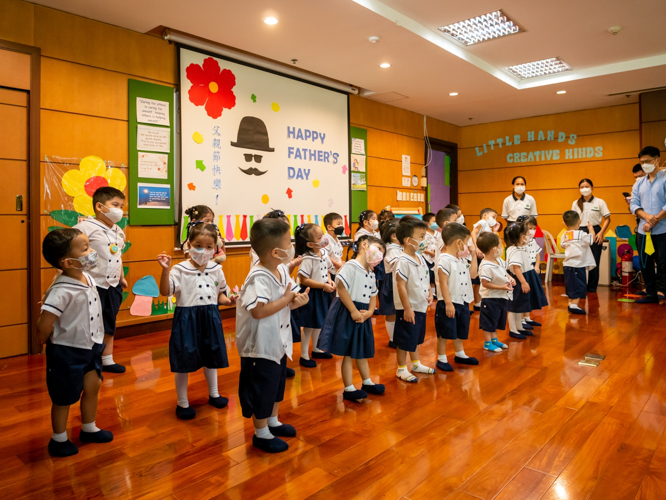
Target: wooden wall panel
15 254
388 173
14 176
149 241
13 340
76 136
77 39
391 146
13 137
653 134
653 106
14 69
14 284
372 114
443 131
17 21
13 97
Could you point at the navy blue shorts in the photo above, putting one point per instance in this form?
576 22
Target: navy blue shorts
65 368
493 314
110 299
261 385
408 336
456 328
575 282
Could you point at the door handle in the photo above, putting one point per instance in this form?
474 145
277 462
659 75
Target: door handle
19 203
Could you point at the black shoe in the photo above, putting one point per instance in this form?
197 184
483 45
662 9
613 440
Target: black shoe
533 323
308 363
66 449
646 300
477 308
283 430
578 310
354 396
272 445
642 292
527 326
377 389
392 344
291 373
376 313
445 367
185 413
322 355
218 402
466 361
526 333
96 437
517 335
115 368
591 290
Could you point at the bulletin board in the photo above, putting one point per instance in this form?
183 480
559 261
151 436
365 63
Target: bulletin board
359 153
151 154
253 141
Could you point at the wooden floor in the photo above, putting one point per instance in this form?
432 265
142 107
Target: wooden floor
529 423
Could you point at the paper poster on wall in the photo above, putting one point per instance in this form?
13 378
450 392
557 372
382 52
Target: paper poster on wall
358 163
153 166
358 146
406 165
406 181
153 195
358 182
153 139
152 111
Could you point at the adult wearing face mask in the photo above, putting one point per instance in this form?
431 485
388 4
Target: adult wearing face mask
518 202
595 211
648 201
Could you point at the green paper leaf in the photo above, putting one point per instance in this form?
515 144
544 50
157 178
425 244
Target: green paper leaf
126 247
53 228
125 270
125 295
122 224
69 218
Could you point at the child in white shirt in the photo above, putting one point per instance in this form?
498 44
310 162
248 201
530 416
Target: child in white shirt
578 259
433 237
487 224
334 229
520 269
386 302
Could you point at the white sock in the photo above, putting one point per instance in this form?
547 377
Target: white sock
477 304
514 322
274 422
263 433
461 354
315 339
350 388
390 327
442 358
181 389
416 363
59 437
527 318
91 427
305 349
367 381
523 320
211 380
108 360
574 306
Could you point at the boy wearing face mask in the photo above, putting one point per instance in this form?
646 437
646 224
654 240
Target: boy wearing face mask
412 296
334 229
108 240
71 326
487 224
432 238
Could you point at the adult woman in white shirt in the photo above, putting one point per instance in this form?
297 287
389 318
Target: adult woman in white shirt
595 211
518 202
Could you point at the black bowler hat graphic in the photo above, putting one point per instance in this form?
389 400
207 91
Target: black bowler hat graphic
252 134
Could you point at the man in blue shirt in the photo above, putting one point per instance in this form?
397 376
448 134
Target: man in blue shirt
648 201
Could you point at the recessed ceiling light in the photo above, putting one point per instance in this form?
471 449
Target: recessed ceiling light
384 65
539 68
561 91
453 94
481 28
270 20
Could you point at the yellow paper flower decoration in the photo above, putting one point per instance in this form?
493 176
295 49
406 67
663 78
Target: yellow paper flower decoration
92 174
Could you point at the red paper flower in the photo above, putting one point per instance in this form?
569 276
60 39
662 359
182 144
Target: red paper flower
211 87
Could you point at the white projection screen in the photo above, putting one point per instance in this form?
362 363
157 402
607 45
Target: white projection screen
252 141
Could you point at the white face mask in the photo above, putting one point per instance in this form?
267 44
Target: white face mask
201 255
648 168
531 234
519 189
497 251
288 255
113 214
586 191
461 219
374 224
492 222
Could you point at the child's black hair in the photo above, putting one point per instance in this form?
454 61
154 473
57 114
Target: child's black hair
371 241
513 233
427 216
276 214
198 212
407 226
487 241
106 193
487 211
266 234
454 207
387 230
386 214
57 244
302 236
570 218
363 216
329 218
453 232
202 229
444 215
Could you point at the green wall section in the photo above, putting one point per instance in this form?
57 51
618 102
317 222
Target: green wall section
447 171
359 199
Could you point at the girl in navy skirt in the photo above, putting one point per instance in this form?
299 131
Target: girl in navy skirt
314 273
518 263
393 253
368 225
197 339
348 328
533 276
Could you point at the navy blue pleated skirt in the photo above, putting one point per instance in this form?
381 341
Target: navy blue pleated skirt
197 339
380 272
386 306
313 314
342 336
521 301
537 295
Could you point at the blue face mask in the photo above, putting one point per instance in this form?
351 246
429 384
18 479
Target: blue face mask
434 227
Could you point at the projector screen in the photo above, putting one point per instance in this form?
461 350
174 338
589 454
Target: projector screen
252 141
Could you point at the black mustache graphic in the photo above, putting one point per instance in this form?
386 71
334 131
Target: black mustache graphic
252 171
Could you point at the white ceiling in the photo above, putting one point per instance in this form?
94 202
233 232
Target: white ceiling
331 38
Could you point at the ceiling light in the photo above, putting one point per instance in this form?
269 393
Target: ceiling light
561 91
453 94
539 68
385 65
481 28
270 20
